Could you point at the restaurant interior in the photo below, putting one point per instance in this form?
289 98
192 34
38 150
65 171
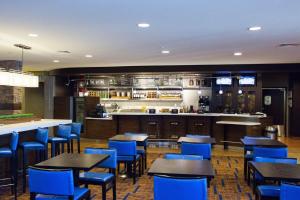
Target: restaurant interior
143 100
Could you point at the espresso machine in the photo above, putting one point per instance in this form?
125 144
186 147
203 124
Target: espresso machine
204 104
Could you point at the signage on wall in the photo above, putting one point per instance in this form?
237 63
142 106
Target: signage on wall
267 100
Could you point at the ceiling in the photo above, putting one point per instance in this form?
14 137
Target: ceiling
194 31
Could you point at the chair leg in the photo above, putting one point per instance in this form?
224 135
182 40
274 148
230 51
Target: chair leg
68 147
24 169
103 192
15 174
140 166
114 189
62 147
72 147
78 144
145 159
134 171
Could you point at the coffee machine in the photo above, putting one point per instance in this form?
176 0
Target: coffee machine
204 104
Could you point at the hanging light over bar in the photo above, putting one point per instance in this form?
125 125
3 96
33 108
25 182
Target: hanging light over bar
18 79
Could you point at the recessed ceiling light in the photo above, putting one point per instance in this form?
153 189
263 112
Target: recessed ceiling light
56 61
254 28
165 51
143 25
33 35
88 56
237 53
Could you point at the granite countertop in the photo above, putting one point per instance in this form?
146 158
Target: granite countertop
187 114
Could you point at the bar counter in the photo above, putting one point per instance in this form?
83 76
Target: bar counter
167 126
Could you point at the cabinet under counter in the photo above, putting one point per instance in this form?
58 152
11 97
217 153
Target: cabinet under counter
99 128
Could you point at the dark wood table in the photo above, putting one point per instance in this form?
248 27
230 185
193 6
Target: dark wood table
275 171
182 168
262 143
204 140
137 138
74 161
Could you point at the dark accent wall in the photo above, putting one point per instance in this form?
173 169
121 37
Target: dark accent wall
295 110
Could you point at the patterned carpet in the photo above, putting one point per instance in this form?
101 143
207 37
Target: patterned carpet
228 184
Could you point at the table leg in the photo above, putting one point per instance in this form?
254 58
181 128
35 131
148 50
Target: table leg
225 144
76 177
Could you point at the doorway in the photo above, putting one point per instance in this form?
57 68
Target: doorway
275 105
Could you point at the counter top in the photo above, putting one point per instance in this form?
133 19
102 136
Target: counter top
97 118
27 126
238 123
188 114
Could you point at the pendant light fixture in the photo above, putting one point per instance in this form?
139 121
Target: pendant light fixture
18 78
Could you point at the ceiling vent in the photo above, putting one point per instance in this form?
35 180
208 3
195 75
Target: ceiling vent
289 45
65 51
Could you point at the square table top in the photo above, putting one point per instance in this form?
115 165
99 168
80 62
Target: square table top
263 143
73 161
182 168
204 140
138 138
277 171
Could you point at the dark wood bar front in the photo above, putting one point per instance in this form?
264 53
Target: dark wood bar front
172 126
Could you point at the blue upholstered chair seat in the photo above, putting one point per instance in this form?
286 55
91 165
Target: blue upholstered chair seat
78 193
57 139
32 145
269 190
96 177
5 151
73 136
127 158
170 156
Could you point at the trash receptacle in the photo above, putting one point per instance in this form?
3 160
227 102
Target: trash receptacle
271 132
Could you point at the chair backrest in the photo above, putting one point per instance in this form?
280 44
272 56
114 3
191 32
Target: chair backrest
196 149
64 131
289 191
197 136
276 160
173 156
124 148
135 134
51 182
270 152
179 188
42 135
14 141
76 128
110 162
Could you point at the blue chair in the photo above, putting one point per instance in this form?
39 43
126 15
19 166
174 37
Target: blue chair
196 149
127 154
11 152
171 188
197 136
105 178
265 152
40 146
174 156
62 137
46 184
249 149
286 191
141 148
257 178
75 135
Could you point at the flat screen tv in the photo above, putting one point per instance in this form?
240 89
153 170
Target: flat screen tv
247 80
224 81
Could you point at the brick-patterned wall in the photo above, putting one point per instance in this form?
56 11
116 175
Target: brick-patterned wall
11 97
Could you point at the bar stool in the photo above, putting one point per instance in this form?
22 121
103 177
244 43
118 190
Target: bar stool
11 152
39 146
75 134
62 137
